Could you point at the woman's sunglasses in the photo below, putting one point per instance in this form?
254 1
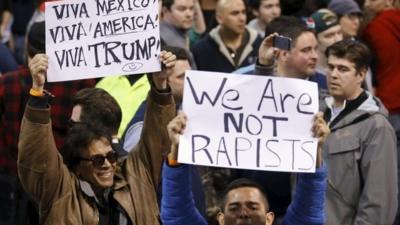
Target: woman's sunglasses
98 160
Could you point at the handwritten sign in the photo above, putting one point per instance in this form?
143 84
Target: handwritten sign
97 38
249 122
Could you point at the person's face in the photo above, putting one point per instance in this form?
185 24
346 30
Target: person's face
232 16
245 206
100 177
329 37
302 58
269 10
350 24
180 14
375 6
177 78
344 81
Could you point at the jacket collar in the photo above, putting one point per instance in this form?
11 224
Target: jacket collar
368 106
88 191
214 34
119 181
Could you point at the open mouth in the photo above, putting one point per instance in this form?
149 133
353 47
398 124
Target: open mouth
105 175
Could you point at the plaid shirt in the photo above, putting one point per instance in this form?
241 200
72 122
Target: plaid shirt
14 93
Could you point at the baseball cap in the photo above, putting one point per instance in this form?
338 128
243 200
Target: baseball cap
344 7
324 19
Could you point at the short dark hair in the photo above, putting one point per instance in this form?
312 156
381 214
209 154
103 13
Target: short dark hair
288 26
254 4
98 107
79 137
168 3
36 39
352 50
240 183
180 53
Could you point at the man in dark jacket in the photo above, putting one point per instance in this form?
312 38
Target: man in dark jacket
230 45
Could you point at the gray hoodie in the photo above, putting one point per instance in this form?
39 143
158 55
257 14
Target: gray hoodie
361 157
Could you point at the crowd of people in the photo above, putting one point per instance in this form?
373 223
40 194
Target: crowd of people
104 151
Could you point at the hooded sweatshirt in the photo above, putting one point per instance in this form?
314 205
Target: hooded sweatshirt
361 157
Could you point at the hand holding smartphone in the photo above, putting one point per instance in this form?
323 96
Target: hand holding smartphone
282 42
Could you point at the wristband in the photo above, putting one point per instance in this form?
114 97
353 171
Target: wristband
172 162
36 93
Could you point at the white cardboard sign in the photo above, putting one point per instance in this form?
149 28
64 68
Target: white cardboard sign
97 38
249 122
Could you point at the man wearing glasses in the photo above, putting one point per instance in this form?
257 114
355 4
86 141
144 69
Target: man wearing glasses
91 187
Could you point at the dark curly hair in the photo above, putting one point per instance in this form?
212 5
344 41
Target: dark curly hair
98 107
78 139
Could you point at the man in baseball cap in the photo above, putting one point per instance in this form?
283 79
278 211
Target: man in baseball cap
328 32
349 14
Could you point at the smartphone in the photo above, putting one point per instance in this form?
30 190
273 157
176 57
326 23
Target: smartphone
282 42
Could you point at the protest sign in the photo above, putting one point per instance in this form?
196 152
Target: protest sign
249 122
97 38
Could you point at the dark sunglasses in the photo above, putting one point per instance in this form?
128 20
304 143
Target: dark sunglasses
98 160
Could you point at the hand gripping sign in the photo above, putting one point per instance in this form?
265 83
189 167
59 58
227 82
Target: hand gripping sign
249 122
97 38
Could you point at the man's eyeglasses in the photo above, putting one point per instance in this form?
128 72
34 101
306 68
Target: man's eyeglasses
98 160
